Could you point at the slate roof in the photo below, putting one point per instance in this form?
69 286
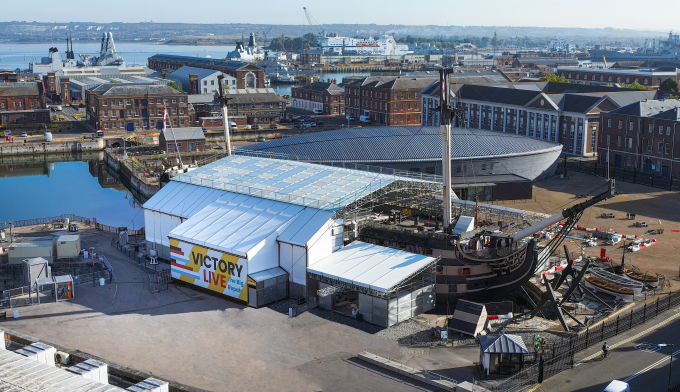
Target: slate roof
134 89
254 98
179 134
498 95
650 108
201 98
505 344
218 64
322 86
395 82
398 143
18 89
186 71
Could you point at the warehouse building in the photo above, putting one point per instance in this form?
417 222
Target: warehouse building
258 229
490 165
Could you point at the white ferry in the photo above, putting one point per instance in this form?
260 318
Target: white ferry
385 45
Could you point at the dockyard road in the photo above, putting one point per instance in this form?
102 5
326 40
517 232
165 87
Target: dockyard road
637 361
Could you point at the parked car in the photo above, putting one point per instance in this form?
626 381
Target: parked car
312 124
260 138
24 134
365 119
640 224
59 108
318 111
81 105
254 127
247 127
607 215
617 386
351 118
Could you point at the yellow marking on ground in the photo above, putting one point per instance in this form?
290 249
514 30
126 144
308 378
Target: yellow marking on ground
534 388
646 331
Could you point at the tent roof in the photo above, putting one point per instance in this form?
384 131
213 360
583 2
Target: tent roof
505 344
182 200
370 266
293 182
236 223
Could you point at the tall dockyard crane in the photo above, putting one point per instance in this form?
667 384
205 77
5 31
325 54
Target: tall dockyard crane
313 25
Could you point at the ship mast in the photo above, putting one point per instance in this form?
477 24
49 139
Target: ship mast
445 127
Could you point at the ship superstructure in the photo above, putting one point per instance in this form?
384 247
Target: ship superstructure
384 45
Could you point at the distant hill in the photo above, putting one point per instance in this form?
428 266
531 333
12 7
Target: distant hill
40 32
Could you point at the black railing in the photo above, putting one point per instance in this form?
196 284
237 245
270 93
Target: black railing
632 175
560 356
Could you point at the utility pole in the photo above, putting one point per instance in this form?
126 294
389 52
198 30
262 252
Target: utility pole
225 117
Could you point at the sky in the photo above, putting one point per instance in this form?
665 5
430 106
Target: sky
659 15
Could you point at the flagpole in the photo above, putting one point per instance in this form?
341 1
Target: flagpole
165 120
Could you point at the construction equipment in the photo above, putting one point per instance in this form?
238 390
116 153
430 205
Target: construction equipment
313 25
283 47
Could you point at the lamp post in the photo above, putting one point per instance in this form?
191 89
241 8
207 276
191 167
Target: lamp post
670 362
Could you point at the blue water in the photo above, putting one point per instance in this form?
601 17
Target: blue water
29 192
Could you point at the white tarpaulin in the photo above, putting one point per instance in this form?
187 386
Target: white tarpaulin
236 223
464 224
370 266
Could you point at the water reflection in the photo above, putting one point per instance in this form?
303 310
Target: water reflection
39 186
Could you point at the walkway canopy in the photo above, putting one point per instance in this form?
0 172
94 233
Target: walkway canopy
369 267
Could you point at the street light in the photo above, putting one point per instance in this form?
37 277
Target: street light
670 362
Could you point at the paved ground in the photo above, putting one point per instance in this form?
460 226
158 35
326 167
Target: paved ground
210 343
650 204
638 362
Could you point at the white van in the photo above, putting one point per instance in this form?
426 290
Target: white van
365 119
617 386
318 111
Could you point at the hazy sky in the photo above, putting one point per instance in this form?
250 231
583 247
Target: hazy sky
661 15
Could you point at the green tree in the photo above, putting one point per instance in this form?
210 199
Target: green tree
670 85
635 86
553 78
175 86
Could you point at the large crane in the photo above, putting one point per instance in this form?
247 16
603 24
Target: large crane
313 25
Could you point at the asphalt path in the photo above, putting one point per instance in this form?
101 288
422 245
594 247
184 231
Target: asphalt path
640 362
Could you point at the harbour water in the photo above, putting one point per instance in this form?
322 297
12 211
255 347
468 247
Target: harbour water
40 190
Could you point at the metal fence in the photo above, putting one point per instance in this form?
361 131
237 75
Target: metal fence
632 175
61 218
560 356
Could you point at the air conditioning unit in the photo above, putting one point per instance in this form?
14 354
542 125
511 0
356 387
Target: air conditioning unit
62 357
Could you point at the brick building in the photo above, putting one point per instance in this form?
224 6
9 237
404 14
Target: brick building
185 139
258 106
388 100
130 107
644 136
309 58
563 113
23 103
327 96
646 77
248 75
200 80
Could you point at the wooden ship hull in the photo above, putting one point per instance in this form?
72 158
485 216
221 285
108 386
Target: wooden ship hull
651 280
622 281
601 285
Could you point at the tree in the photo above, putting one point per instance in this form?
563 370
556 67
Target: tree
175 86
670 85
635 86
553 78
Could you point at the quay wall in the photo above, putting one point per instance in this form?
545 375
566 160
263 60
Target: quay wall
7 149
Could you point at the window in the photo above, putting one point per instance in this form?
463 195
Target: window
106 125
166 101
659 147
668 131
136 124
601 78
618 141
129 113
483 166
113 113
645 82
630 125
593 77
115 124
212 82
181 110
660 129
630 142
578 76
658 81
2 105
609 123
136 112
618 79
620 124
159 112
181 122
649 145
627 80
128 102
106 113
610 79
174 122
181 100
158 101
650 128
105 103
667 148
205 82
120 102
